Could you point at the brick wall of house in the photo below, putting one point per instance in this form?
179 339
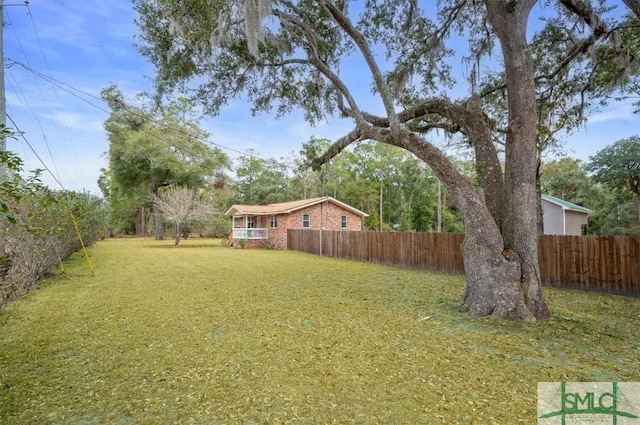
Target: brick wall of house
278 235
330 220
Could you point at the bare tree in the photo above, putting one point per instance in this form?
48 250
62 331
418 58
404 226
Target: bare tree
180 205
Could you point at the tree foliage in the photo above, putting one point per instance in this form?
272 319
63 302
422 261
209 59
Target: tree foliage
567 179
618 167
150 149
10 165
260 181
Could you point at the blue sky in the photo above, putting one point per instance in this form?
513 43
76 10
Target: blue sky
84 45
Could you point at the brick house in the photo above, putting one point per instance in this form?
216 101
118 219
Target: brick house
267 225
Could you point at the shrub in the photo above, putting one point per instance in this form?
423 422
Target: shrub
37 231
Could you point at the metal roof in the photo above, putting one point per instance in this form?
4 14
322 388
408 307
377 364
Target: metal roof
566 205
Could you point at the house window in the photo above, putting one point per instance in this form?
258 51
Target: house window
274 221
250 223
306 221
343 221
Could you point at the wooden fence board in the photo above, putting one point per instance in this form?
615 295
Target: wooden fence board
608 264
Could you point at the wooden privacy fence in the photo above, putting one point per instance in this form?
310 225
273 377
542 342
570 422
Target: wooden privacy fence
608 264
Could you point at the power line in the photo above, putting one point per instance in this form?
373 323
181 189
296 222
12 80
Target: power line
74 92
55 92
13 82
81 95
15 126
37 84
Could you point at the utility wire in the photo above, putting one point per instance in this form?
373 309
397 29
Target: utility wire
76 92
42 96
55 92
73 91
15 126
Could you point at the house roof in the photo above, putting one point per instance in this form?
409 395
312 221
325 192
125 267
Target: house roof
566 205
288 207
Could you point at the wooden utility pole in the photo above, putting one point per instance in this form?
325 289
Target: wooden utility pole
3 107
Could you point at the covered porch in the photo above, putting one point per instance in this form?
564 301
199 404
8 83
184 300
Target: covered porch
249 227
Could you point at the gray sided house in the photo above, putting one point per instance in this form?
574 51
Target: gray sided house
563 218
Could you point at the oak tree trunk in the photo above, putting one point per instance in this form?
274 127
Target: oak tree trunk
493 279
500 249
494 274
509 20
479 129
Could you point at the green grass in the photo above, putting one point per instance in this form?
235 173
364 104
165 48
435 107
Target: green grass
202 334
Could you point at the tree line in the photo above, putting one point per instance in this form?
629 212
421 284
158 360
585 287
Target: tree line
378 178
148 167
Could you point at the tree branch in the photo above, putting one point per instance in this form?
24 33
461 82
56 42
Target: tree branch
443 107
446 126
339 145
320 65
362 44
454 11
285 62
634 5
583 10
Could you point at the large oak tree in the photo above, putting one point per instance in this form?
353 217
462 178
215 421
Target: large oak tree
298 54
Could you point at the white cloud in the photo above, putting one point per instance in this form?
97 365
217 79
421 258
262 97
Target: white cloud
622 110
77 121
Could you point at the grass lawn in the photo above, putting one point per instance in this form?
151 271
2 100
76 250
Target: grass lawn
202 334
